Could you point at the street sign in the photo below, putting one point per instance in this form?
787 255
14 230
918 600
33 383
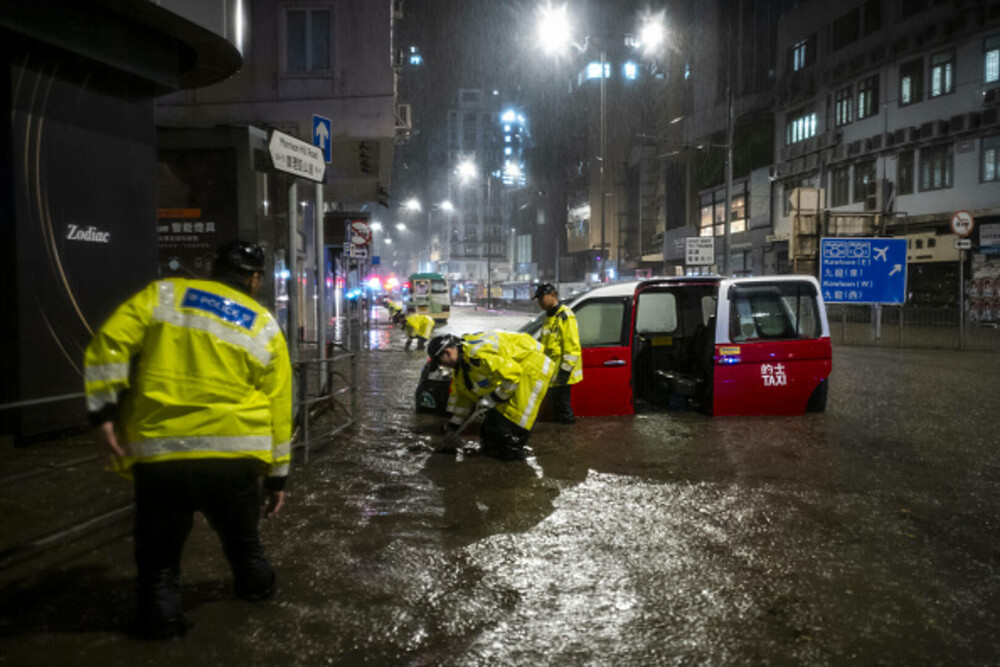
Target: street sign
863 270
321 136
963 244
699 251
376 260
962 223
359 233
354 252
296 157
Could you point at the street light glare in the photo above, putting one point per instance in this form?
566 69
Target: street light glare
376 226
653 33
401 226
447 206
412 204
554 32
467 170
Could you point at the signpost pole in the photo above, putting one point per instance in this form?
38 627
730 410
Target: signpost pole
321 315
961 299
292 282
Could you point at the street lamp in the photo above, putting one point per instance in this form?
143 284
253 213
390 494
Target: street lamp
555 34
412 204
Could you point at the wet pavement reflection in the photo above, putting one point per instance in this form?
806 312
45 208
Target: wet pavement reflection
865 535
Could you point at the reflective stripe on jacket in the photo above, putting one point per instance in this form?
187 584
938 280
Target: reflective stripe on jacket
510 364
560 337
419 325
201 370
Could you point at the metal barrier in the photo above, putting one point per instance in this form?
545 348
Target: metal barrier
911 327
321 386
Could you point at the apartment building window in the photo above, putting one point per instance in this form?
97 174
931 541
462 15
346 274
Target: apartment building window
911 7
991 159
803 53
800 126
864 174
846 29
911 82
937 164
868 97
942 74
904 173
307 40
843 111
873 16
991 59
713 206
840 186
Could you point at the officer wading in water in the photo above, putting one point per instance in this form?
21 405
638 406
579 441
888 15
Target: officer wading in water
189 387
504 373
560 338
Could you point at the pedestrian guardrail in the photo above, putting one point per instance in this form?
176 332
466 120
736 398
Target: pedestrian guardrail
910 327
325 398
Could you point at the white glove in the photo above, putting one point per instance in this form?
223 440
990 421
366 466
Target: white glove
486 403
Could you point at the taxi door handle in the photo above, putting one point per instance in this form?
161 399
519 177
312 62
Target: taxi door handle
614 362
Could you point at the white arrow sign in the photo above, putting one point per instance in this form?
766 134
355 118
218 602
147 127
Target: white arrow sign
896 268
322 136
296 157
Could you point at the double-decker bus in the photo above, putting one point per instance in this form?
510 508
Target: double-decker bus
429 295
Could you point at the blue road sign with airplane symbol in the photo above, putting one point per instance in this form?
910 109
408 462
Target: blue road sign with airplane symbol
321 136
863 270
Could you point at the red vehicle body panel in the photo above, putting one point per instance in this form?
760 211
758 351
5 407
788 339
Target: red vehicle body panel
606 388
771 378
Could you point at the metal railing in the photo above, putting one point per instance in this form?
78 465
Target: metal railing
325 389
910 327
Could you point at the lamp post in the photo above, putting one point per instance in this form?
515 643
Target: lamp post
555 34
467 171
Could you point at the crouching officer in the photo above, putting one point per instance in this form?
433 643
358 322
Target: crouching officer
419 327
560 338
505 373
188 384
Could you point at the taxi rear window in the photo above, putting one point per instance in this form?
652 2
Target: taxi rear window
776 311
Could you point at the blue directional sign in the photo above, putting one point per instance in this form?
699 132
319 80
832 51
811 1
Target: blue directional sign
322 129
863 270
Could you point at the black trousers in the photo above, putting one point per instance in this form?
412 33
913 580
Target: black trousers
562 407
502 438
167 494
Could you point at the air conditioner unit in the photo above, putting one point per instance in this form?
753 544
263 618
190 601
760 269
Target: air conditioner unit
913 134
890 139
941 128
854 147
899 136
927 130
990 96
957 123
876 142
990 117
868 145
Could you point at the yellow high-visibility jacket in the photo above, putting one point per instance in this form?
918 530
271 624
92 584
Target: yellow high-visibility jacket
202 371
560 337
511 365
393 307
419 325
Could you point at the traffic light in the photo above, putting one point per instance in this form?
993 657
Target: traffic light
383 196
364 158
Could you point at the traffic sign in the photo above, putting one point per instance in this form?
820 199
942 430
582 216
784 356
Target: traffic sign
699 251
354 252
321 136
359 233
963 244
296 157
962 223
863 270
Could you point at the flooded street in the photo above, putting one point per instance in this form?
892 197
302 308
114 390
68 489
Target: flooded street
864 535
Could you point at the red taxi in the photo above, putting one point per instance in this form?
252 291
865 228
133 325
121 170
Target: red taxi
728 346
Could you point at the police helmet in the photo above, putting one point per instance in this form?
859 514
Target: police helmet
440 343
543 289
240 256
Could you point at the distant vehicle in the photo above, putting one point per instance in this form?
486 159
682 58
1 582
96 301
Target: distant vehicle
429 295
739 346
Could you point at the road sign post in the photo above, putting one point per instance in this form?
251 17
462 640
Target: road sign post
962 223
296 157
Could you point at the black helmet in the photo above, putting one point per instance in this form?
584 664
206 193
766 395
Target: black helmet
543 289
241 256
440 343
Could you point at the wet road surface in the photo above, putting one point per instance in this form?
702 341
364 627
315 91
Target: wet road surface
865 535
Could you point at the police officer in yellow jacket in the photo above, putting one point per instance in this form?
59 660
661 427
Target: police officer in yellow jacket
189 386
560 337
504 373
420 327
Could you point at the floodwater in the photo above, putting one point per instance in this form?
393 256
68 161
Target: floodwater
864 535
